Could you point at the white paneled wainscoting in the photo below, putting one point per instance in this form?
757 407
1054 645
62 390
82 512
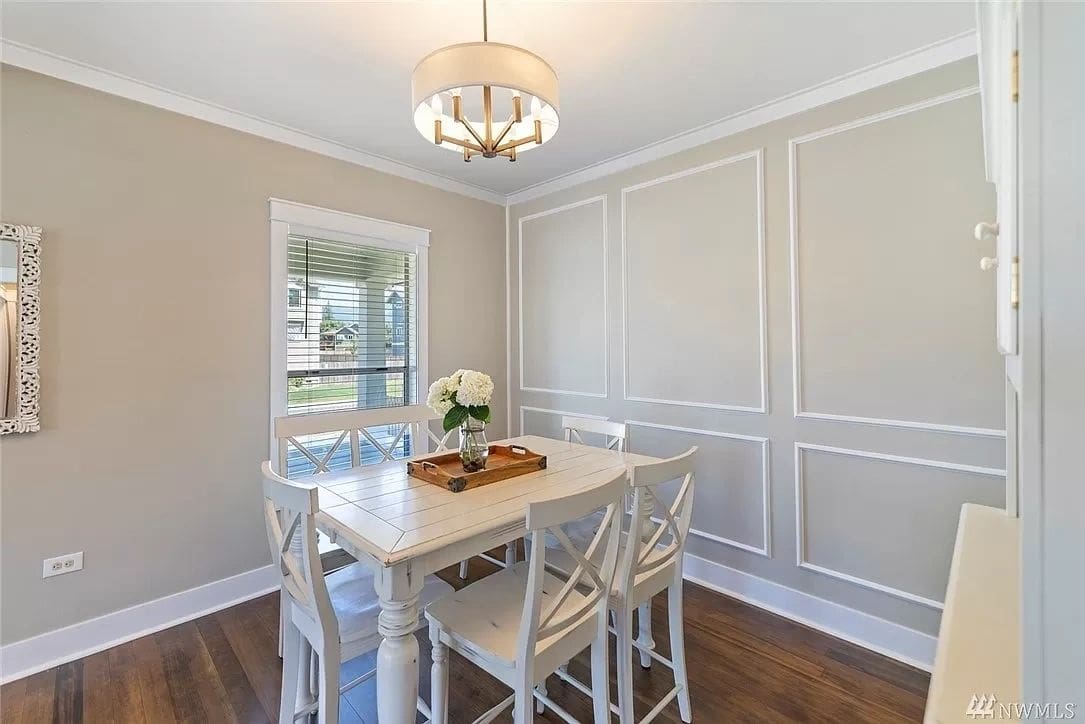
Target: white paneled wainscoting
837 507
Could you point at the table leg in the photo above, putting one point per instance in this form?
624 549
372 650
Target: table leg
397 657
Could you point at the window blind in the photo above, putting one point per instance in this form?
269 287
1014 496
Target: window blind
350 326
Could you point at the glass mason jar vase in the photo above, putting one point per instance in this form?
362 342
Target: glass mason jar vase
474 450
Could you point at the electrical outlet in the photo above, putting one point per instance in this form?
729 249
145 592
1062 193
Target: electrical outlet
69 563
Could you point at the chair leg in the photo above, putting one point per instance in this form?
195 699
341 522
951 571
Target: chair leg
510 554
678 649
292 672
624 619
284 607
644 624
600 676
438 703
521 707
463 570
328 701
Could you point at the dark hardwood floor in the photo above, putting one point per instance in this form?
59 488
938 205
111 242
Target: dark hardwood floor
745 665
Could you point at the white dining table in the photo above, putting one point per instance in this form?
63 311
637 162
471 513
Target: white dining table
406 528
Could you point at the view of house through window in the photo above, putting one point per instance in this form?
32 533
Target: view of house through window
350 337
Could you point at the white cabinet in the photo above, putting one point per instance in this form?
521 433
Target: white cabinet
997 23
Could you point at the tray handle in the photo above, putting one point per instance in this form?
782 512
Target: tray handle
518 449
427 464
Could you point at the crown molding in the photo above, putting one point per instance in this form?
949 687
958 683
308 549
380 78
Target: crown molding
73 71
902 66
887 71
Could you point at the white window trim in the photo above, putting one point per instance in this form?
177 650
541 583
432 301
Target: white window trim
291 218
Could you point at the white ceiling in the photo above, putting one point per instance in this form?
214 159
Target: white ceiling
631 73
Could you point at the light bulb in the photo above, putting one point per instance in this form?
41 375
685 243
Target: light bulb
435 104
456 92
515 93
536 107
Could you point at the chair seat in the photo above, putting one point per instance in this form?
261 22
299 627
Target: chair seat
485 616
645 585
357 605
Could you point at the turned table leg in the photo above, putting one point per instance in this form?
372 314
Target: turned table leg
397 657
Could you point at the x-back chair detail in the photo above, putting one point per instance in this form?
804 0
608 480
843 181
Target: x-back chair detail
351 427
330 619
614 433
333 429
650 562
521 623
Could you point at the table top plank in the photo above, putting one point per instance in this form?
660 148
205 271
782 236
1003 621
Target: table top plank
507 513
361 530
382 511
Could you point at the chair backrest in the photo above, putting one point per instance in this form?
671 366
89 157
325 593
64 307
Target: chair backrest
657 531
289 510
614 433
593 574
332 429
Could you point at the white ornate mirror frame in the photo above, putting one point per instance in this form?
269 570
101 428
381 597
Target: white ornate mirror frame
28 382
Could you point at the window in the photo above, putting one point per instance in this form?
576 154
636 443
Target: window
355 349
352 333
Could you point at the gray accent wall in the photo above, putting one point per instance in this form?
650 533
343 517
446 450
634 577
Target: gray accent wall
831 250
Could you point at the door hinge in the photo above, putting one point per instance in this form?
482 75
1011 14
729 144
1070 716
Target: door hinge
1015 282
1014 75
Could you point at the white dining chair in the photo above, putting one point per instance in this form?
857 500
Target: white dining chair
614 433
521 623
330 619
319 439
650 562
333 429
615 436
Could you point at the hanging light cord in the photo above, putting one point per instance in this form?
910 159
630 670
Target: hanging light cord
485 29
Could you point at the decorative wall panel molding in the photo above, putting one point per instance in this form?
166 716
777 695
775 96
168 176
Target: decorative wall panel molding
559 413
800 510
765 548
757 156
796 316
605 338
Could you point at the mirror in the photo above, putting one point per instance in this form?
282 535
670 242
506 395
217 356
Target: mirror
20 341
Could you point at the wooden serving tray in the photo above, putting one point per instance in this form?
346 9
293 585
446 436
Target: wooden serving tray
505 461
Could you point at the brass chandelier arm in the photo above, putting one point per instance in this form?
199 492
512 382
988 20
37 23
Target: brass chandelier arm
495 147
488 114
470 129
514 144
462 144
505 130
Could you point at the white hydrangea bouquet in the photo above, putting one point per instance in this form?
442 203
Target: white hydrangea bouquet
463 394
463 398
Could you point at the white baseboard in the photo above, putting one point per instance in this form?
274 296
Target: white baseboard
29 656
884 637
53 648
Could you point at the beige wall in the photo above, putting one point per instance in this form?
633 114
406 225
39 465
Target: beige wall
895 322
155 338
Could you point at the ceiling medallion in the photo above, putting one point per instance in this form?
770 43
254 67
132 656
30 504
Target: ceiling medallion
493 73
